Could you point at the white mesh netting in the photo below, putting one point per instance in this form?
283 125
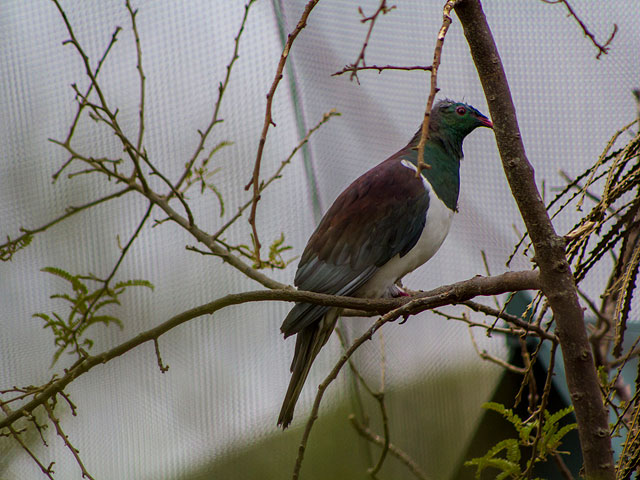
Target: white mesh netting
228 372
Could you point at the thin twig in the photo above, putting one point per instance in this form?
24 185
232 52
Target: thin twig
134 28
96 163
81 105
470 323
385 427
512 319
487 271
562 467
70 212
216 110
163 368
358 380
602 48
15 434
393 449
141 111
483 354
103 106
268 121
112 274
355 66
380 69
433 89
389 317
65 438
581 190
543 405
616 362
278 172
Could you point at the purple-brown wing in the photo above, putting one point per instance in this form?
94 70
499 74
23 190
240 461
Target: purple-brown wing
380 215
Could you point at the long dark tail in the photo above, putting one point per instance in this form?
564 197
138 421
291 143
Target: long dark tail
309 341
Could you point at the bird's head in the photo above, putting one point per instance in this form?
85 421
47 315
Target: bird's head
456 118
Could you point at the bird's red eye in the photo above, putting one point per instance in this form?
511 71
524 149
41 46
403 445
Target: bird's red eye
461 110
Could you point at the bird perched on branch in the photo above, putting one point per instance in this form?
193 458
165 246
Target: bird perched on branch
384 225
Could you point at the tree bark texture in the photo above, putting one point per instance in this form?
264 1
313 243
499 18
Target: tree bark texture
555 273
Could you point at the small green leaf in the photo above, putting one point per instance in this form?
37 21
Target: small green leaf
111 301
107 319
134 283
75 282
84 304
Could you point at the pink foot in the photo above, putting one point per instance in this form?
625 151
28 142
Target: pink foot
396 292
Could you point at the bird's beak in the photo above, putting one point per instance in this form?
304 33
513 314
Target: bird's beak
486 122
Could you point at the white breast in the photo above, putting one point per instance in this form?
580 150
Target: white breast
436 228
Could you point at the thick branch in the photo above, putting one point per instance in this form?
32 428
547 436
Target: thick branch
445 295
555 274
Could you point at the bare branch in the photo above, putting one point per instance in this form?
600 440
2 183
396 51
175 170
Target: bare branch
352 69
433 89
268 121
163 368
82 105
379 396
602 48
65 438
278 173
15 434
389 317
134 27
80 326
103 105
483 354
70 212
541 409
221 90
355 66
393 449
439 297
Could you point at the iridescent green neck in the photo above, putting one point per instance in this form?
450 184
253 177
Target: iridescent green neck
444 174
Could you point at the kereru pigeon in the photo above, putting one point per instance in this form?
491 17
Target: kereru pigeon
383 226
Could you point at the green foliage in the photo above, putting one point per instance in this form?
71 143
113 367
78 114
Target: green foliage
506 456
200 174
12 246
84 304
275 253
275 260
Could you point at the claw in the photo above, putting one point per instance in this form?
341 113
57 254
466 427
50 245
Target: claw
397 291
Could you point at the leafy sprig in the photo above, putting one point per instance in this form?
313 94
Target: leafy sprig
506 455
84 310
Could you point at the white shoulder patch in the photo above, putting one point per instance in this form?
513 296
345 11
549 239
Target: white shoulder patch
408 164
411 166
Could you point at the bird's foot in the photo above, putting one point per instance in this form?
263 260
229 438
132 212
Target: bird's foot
395 291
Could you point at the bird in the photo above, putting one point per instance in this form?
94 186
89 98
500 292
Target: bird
384 225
